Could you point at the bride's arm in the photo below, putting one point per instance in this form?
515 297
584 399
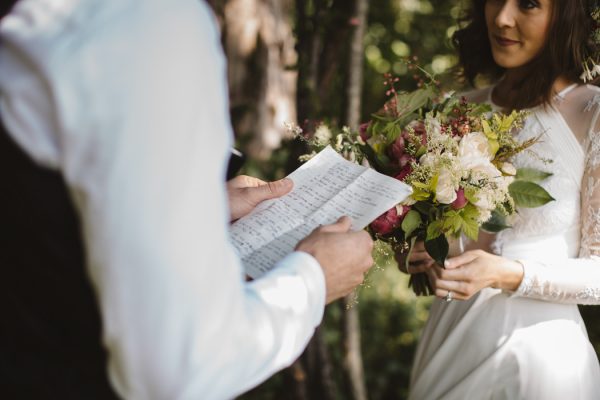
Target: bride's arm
575 280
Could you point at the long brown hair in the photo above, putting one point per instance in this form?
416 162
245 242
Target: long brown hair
567 46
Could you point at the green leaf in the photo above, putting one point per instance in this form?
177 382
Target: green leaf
412 221
423 207
438 249
496 223
531 174
529 194
434 229
407 103
470 226
392 131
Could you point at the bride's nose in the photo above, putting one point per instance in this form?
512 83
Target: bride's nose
505 18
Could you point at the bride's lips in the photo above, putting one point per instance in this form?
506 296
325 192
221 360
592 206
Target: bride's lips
505 42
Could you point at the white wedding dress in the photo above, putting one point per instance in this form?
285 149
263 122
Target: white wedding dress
531 344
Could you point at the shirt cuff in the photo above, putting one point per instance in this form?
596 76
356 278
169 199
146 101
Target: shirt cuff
308 268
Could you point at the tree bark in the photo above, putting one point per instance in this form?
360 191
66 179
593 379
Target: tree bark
259 43
353 363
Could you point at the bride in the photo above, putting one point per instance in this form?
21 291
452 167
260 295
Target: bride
514 330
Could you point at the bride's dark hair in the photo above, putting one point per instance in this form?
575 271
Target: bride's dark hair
567 46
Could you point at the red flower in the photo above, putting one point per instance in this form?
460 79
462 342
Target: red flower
389 220
404 172
386 222
460 201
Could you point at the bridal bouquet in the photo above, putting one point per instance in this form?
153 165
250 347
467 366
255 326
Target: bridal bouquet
455 155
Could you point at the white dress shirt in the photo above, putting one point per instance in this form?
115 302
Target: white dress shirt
128 100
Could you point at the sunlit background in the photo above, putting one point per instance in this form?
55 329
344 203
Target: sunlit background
291 61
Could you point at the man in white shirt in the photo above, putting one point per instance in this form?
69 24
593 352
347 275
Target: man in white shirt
115 249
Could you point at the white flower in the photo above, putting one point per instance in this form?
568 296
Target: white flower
474 145
482 169
484 201
433 126
445 191
596 70
322 135
409 201
428 160
508 169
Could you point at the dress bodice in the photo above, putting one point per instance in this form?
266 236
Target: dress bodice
556 226
559 243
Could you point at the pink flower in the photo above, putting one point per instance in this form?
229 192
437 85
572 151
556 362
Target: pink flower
460 201
405 160
363 131
389 220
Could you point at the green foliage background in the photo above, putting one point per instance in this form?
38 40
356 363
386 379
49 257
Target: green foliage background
391 316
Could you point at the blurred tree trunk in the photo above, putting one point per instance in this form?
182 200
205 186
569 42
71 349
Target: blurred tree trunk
259 44
353 363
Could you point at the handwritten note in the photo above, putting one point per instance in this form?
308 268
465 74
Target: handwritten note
325 188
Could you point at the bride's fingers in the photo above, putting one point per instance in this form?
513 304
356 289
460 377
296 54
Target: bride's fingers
459 290
442 293
462 259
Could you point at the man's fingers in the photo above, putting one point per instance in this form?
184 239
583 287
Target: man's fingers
342 225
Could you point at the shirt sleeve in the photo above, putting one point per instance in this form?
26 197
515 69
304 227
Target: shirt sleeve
576 280
140 121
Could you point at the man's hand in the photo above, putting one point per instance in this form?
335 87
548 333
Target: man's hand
344 256
246 192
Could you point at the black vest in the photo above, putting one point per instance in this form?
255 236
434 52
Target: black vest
50 327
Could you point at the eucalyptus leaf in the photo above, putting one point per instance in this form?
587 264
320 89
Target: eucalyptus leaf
529 194
531 174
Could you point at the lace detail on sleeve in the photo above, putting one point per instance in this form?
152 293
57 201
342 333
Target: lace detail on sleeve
590 197
575 280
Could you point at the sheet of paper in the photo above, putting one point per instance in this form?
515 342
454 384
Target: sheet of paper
325 188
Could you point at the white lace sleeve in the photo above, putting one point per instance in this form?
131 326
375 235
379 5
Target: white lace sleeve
575 280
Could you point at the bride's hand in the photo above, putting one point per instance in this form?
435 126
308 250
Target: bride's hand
468 273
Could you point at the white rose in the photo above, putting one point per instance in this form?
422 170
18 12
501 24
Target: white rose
484 169
484 203
445 191
476 145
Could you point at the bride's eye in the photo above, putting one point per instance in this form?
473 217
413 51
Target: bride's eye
529 4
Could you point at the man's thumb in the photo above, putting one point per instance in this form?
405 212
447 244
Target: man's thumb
271 190
342 225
